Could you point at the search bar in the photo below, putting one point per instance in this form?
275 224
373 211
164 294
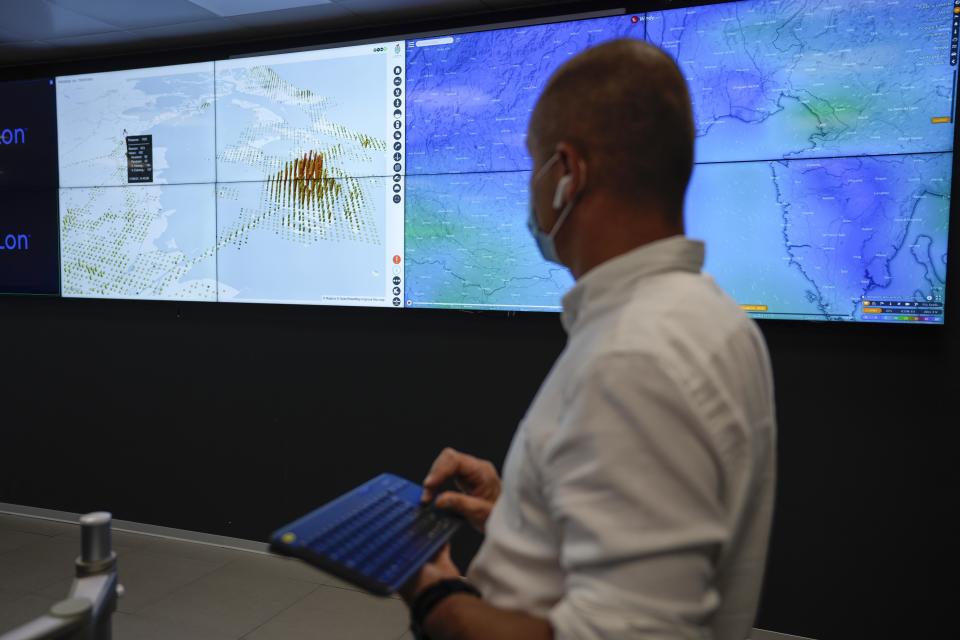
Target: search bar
434 42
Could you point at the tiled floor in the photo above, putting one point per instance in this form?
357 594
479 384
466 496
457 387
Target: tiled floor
186 591
177 590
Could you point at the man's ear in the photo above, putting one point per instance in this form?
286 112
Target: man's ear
574 168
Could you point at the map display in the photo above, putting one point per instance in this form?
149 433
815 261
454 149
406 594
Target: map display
467 244
126 232
298 203
311 241
151 242
304 146
865 89
801 78
471 96
397 174
814 238
97 113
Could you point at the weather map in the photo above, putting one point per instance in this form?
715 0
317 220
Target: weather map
254 179
97 113
470 98
476 247
303 195
150 235
397 173
802 78
812 118
154 242
825 234
468 167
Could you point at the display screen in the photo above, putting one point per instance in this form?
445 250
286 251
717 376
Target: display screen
396 173
29 251
306 211
824 156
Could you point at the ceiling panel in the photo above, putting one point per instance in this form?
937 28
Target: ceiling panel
298 20
9 36
42 20
195 33
131 14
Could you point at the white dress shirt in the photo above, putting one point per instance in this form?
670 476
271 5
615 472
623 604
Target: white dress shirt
638 490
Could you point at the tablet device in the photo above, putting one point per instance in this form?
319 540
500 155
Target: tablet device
376 536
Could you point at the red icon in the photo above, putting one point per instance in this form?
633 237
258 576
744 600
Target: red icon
396 259
635 19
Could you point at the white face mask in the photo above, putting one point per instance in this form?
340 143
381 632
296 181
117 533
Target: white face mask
546 241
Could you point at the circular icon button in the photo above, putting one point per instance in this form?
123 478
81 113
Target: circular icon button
397 124
397 146
397 156
397 188
396 199
396 302
397 135
397 93
397 102
397 259
396 291
396 279
397 71
397 178
397 167
397 82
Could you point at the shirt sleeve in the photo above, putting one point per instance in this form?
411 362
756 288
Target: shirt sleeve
634 485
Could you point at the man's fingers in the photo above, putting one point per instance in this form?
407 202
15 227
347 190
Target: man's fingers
467 506
446 466
443 555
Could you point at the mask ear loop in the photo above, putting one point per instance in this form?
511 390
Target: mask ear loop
546 166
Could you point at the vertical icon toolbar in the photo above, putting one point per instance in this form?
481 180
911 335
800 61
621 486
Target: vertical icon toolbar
395 165
955 33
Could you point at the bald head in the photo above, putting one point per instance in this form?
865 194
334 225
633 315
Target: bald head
625 106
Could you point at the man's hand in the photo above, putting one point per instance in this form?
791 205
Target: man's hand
440 568
478 479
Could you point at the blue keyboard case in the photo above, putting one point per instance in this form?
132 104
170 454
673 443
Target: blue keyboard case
376 536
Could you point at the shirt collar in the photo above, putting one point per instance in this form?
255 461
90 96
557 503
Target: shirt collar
676 253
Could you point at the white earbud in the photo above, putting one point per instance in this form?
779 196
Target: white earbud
559 198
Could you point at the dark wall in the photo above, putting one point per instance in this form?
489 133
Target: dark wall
863 530
235 419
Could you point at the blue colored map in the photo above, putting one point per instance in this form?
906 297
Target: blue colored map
813 238
468 107
473 249
801 79
824 151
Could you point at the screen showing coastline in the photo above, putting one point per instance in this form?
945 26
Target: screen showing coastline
396 174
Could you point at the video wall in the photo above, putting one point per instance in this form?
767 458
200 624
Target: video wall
396 174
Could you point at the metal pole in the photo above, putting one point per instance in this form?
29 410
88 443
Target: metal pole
87 612
95 537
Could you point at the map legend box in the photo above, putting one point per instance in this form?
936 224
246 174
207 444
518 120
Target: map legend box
140 158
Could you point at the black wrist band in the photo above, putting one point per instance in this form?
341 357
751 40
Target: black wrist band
433 595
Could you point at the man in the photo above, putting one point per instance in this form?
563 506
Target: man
638 491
